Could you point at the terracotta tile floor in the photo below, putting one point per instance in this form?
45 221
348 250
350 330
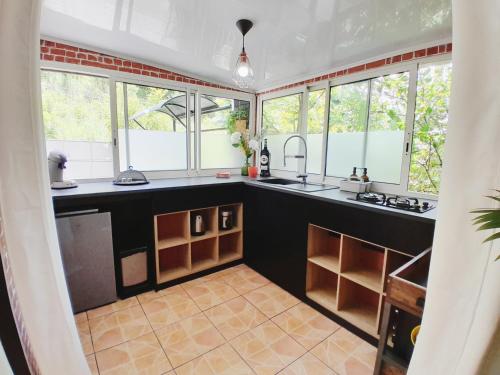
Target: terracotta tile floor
232 322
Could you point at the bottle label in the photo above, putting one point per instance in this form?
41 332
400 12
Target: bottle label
264 159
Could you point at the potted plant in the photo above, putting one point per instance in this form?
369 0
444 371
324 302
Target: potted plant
489 218
237 121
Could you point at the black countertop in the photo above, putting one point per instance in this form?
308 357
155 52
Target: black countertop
95 189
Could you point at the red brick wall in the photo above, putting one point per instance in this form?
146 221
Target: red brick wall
431 51
53 51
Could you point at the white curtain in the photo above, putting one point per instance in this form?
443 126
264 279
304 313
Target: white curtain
28 221
460 329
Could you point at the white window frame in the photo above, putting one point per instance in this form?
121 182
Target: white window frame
117 76
412 68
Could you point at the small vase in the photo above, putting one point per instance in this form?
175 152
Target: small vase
244 169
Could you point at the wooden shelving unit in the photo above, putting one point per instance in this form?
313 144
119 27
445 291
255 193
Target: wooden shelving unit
204 254
179 252
173 262
172 229
359 305
322 285
323 248
230 246
363 263
347 276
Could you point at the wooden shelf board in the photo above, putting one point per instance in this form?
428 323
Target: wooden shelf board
325 296
203 264
172 273
329 262
223 232
171 242
229 257
368 278
208 234
362 317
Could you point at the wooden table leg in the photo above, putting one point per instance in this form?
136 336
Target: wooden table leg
384 331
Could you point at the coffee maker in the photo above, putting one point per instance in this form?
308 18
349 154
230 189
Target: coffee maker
57 163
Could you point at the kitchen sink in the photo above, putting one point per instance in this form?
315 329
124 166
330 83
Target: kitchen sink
278 181
295 185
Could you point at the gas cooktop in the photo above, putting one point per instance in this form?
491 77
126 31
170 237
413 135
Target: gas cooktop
399 202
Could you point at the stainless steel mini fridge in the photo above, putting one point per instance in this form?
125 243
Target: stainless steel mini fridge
86 243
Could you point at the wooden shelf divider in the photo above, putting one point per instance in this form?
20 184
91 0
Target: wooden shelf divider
180 252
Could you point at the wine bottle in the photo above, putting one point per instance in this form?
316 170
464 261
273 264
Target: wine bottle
265 161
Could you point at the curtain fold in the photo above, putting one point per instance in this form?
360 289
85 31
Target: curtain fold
460 326
28 219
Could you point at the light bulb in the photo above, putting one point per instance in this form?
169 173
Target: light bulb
243 70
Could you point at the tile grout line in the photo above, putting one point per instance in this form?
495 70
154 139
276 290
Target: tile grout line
322 341
156 336
227 342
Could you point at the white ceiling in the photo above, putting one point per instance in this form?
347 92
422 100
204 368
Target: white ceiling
291 39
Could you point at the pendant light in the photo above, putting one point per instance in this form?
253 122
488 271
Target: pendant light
243 72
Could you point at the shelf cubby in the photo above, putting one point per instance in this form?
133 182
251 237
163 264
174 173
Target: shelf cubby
237 209
173 262
323 248
209 216
363 263
358 305
394 260
172 229
230 247
321 286
204 254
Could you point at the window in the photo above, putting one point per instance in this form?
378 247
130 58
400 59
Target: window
394 124
366 127
315 121
151 128
219 118
386 127
429 129
280 119
77 122
346 128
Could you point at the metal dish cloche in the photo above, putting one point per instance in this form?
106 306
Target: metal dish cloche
131 177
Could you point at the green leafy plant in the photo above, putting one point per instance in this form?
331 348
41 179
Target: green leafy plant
240 114
489 218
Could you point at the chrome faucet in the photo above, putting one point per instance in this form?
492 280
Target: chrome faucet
303 176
